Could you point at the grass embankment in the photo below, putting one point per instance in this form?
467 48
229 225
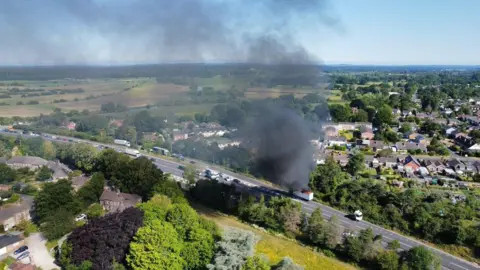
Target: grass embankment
276 247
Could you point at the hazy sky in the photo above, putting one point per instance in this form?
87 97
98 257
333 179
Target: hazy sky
268 31
406 32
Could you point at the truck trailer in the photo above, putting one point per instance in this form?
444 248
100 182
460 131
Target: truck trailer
132 152
122 142
306 195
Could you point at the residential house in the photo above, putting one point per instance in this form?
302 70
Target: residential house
223 142
377 145
336 140
411 164
71 126
423 171
210 132
440 121
331 131
474 148
79 181
341 159
366 133
5 187
434 166
350 125
59 170
422 116
29 162
450 131
397 111
456 164
369 161
405 146
420 139
406 113
464 140
179 135
21 266
410 135
113 201
472 120
453 122
14 213
116 123
362 143
388 162
9 243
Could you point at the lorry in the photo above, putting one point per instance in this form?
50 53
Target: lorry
304 194
161 151
122 142
132 152
211 174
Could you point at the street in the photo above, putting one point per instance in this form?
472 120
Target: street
448 261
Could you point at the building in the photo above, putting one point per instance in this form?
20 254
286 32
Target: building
79 181
21 266
388 162
29 162
179 135
434 166
411 164
9 243
59 170
71 126
331 131
455 164
366 133
377 145
13 214
113 201
350 125
474 148
405 146
338 140
450 131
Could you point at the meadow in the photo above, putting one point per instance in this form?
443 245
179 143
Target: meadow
274 248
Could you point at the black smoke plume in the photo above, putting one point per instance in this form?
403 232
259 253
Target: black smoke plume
280 141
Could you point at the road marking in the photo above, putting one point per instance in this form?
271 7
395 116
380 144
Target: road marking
459 266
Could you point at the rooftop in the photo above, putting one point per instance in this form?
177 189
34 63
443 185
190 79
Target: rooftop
28 160
126 198
10 210
7 239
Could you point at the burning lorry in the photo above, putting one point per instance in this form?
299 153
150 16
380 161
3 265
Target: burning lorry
304 194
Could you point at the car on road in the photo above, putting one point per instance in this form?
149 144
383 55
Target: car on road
23 256
153 159
192 162
181 167
81 217
20 250
236 181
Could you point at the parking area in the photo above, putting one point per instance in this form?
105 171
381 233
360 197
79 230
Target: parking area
39 254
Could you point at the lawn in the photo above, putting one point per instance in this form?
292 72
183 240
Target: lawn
277 247
335 97
261 93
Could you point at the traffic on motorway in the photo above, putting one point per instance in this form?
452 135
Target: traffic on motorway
351 222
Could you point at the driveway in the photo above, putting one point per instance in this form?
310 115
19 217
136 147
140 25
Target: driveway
39 253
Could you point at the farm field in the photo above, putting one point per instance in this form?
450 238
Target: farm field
275 248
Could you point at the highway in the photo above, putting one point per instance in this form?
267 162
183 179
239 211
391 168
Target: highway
448 261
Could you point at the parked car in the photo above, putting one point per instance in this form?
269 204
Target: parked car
23 256
80 217
20 250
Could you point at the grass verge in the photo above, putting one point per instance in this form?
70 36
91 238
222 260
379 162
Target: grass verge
275 247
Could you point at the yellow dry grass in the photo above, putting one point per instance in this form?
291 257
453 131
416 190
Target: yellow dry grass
277 247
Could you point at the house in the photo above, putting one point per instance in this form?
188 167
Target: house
12 214
423 171
210 132
406 113
474 148
377 145
113 201
411 164
71 126
9 243
341 159
440 121
434 166
456 164
420 139
179 135
366 133
350 125
388 162
223 142
26 162
375 163
59 170
450 131
5 187
410 135
79 181
116 123
405 146
397 111
331 131
336 140
21 266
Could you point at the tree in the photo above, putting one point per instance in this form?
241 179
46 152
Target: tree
339 113
58 224
394 245
418 258
384 115
327 177
156 246
332 233
190 174
54 197
92 190
7 174
388 260
255 263
360 116
353 248
105 240
406 127
43 174
356 163
49 151
316 227
94 211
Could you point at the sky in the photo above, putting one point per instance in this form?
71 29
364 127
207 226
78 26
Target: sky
405 32
116 32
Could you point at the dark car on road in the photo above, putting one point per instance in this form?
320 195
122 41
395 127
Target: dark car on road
192 162
20 250
181 167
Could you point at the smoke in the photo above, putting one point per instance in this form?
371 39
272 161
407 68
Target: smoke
151 31
280 140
